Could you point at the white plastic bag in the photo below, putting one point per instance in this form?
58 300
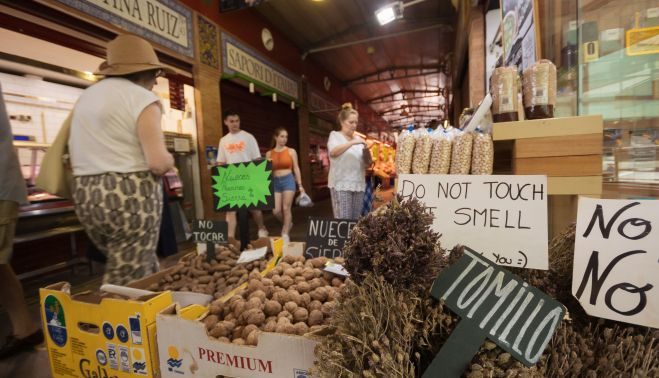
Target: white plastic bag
303 200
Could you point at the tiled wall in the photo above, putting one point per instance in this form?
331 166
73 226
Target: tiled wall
48 104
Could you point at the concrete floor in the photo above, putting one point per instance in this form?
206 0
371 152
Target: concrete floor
35 362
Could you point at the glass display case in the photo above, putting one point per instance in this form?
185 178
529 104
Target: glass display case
607 58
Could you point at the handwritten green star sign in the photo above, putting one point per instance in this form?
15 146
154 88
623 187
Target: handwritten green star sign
241 185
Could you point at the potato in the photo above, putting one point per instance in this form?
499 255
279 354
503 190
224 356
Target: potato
205 279
314 305
260 294
319 294
230 325
239 341
300 314
303 287
315 328
255 275
276 279
301 328
272 307
224 339
253 337
299 279
315 317
290 306
210 321
239 308
337 282
267 282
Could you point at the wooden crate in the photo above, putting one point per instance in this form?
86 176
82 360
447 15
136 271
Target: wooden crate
567 150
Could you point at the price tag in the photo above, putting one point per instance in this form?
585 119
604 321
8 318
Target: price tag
252 255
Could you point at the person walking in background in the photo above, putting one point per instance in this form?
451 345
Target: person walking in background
347 168
286 172
239 146
118 155
13 192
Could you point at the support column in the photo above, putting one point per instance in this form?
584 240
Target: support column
303 130
209 128
476 56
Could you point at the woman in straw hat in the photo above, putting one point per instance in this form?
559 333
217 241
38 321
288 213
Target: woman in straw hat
117 155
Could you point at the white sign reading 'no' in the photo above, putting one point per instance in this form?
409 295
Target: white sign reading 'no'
616 260
503 217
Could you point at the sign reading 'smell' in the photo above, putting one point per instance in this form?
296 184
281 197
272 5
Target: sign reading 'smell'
503 217
616 260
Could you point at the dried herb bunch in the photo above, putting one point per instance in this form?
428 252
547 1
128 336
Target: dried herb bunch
397 243
583 346
376 330
591 351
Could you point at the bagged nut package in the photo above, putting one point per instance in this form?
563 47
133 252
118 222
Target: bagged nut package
405 151
482 156
440 158
505 86
461 154
540 90
422 151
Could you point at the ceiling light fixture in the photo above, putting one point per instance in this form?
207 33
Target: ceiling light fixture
393 11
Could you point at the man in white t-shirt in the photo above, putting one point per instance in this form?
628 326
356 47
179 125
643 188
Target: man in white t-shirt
239 146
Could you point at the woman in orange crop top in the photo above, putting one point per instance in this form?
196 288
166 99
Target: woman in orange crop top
286 173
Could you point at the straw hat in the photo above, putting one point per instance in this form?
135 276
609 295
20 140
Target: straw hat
129 54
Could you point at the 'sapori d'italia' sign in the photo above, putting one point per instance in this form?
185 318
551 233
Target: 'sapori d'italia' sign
165 22
495 304
503 217
616 260
240 59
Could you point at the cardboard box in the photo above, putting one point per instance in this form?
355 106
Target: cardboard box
91 336
186 350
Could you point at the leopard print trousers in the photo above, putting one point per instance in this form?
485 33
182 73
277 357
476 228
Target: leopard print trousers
121 214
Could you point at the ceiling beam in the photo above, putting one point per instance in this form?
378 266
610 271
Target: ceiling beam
395 73
404 91
371 39
428 107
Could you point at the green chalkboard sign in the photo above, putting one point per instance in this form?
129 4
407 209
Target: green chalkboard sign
243 186
496 304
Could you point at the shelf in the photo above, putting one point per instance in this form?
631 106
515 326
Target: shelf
548 127
31 145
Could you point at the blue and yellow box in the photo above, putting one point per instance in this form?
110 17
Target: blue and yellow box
88 335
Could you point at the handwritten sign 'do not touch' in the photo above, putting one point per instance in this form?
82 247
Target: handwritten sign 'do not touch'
616 260
504 217
243 185
327 236
496 304
209 231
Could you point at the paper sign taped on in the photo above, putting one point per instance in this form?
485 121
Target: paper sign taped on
616 260
252 255
503 217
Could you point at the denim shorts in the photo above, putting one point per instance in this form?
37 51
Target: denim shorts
284 183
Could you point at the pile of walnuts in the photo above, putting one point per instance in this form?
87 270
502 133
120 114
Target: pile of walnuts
296 297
